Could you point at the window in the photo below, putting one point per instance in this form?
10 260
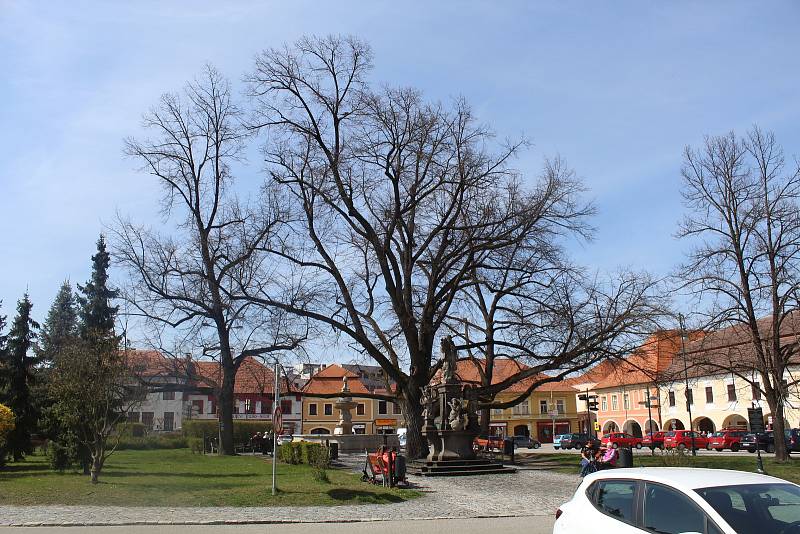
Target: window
560 406
248 404
360 408
133 417
235 406
169 395
328 409
603 404
147 419
312 409
626 402
497 411
756 387
614 405
522 408
211 407
396 409
670 511
542 406
616 498
266 406
781 504
731 393
286 406
382 407
672 398
689 397
709 395
169 421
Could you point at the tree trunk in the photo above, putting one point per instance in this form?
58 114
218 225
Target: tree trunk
778 425
416 444
226 411
485 418
97 466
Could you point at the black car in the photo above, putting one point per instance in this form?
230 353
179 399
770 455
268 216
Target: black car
525 442
578 441
766 441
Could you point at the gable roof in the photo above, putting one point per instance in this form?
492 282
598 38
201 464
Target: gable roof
504 368
253 377
329 381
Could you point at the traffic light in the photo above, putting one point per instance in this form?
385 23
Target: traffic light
593 404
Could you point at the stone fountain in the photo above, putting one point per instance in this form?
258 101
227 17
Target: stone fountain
344 404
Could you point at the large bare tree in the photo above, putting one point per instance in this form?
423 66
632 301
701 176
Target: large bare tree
398 202
743 217
528 304
187 280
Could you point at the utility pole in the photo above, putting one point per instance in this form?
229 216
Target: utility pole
276 395
686 379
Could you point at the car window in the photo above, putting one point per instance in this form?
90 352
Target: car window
616 498
756 508
669 511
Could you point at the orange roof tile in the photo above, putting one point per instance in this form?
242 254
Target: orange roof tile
504 368
329 381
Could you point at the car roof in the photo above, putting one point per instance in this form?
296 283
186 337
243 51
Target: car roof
688 478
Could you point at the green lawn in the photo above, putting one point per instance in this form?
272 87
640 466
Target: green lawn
788 471
180 478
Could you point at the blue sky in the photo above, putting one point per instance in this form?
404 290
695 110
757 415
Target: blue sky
617 89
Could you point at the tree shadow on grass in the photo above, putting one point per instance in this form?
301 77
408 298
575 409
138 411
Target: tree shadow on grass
22 467
341 494
113 473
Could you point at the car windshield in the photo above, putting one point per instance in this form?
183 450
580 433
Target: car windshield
718 435
756 508
670 434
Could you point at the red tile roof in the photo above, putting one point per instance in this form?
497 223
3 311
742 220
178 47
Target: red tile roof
253 377
329 381
504 368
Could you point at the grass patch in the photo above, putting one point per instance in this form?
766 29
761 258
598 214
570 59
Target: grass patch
180 478
786 470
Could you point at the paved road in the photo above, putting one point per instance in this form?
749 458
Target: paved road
539 525
547 448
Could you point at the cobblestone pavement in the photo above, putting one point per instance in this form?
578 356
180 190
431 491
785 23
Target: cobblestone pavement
525 493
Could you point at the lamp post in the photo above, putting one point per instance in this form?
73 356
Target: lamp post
649 404
276 396
686 380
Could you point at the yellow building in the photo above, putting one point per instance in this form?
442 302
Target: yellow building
370 416
551 408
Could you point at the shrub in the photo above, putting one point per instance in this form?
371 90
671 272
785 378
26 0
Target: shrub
153 443
674 458
60 456
132 430
291 453
6 423
196 445
242 430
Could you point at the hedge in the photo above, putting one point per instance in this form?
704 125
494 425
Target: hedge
170 441
305 452
242 430
132 430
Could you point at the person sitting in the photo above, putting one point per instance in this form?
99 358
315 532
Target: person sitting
608 460
399 463
588 454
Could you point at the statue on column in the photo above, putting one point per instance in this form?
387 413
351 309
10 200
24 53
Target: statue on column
449 360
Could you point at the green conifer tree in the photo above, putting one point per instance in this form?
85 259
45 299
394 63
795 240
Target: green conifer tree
61 324
97 315
18 362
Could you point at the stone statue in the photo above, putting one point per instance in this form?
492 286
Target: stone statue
458 417
449 359
345 385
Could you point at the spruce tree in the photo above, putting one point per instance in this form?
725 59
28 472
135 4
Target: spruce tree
61 324
97 315
18 370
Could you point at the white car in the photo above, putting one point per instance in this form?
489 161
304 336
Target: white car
681 501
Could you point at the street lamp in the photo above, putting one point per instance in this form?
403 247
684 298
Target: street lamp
649 404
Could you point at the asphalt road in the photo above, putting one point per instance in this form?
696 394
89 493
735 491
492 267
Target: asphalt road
547 448
528 525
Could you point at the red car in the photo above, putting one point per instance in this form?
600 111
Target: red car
620 439
727 438
654 440
682 439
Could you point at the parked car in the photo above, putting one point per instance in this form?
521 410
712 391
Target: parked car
488 443
684 439
766 441
621 439
525 442
557 440
653 440
688 500
577 440
727 439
